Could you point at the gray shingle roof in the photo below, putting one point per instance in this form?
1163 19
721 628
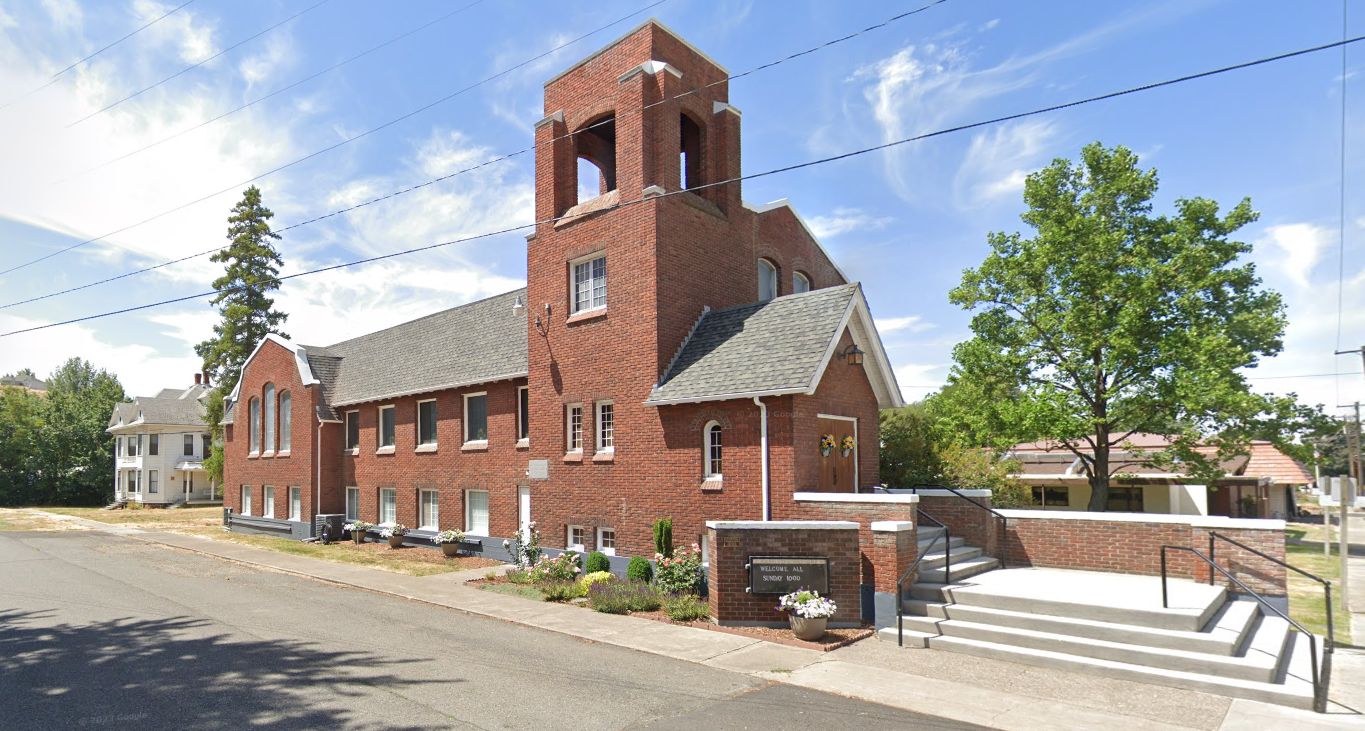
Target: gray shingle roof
179 410
764 347
26 381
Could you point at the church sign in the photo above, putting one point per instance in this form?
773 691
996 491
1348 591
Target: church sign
785 574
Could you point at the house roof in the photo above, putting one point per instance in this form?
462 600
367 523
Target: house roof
183 407
1264 460
772 348
479 342
25 381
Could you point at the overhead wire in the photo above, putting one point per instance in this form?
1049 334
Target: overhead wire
729 181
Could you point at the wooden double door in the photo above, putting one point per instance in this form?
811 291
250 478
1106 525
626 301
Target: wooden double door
839 471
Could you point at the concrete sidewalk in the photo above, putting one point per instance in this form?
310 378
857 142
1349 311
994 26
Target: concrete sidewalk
958 687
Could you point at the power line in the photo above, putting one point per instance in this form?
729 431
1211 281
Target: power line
57 76
729 181
1301 375
494 160
341 143
283 89
193 66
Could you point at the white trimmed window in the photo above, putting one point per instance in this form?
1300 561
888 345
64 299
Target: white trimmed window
476 512
132 481
523 414
429 510
606 541
254 427
270 417
153 484
574 427
426 423
352 503
712 451
352 429
268 502
576 539
800 283
767 280
187 445
295 503
385 426
476 418
286 421
388 506
589 283
154 445
246 499
606 426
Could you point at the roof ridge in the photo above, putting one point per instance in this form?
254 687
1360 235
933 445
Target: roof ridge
789 297
417 319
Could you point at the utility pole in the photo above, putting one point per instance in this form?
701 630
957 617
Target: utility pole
1348 497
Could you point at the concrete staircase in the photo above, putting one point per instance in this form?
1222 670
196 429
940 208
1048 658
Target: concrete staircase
1111 625
966 561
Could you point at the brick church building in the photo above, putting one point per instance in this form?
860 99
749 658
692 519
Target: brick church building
675 352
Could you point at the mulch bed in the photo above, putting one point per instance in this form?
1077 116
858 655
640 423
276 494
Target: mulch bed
418 554
832 640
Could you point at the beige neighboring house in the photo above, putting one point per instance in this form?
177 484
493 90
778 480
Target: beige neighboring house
160 443
1259 484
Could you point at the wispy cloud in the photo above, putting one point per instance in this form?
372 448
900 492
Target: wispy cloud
999 159
845 220
908 323
1299 247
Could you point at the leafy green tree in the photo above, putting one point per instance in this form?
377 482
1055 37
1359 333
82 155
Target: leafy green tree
247 312
74 452
1110 320
909 454
21 426
919 447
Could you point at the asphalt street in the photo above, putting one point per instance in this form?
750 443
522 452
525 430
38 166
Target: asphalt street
106 631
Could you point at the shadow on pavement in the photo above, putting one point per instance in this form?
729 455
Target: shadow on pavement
171 673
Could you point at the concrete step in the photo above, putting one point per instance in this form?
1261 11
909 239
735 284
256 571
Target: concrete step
1192 614
1295 690
1224 634
960 571
936 559
926 546
1257 665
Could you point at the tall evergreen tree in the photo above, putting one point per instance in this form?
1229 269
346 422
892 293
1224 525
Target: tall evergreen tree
247 311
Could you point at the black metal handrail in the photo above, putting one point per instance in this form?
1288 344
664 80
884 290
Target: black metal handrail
1331 641
1319 687
947 537
1004 521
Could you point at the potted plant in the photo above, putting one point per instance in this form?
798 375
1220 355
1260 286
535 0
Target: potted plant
846 444
449 541
808 613
395 534
357 529
826 444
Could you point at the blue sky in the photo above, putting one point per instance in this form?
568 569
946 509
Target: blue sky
905 223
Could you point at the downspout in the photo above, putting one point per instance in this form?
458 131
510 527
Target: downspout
763 446
317 447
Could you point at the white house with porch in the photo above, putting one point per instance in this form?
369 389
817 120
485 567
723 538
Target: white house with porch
160 443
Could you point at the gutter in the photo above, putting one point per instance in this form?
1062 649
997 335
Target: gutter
763 446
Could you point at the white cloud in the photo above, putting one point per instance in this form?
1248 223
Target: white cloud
845 220
918 380
990 24
276 56
1300 246
7 21
999 159
64 13
909 323
183 30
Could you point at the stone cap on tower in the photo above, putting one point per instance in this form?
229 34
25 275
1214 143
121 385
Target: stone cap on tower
650 31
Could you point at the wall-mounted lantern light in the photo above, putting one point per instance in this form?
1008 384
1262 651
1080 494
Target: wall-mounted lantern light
853 355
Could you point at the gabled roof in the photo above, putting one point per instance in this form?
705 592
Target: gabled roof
184 408
773 348
24 381
1264 460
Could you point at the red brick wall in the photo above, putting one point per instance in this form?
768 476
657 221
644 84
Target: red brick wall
272 364
862 513
727 578
975 526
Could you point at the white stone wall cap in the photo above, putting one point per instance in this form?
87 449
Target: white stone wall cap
651 68
556 117
1197 521
782 524
892 526
718 107
934 492
854 497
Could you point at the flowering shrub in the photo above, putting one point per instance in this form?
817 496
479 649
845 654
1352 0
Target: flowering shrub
563 567
389 531
806 604
681 573
448 536
525 554
594 577
357 525
826 442
847 443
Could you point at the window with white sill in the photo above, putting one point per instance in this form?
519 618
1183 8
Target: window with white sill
154 445
286 421
268 501
523 413
352 503
153 482
712 451
429 510
246 500
188 445
388 506
576 538
385 426
270 407
476 512
426 423
476 418
589 284
574 427
606 541
606 426
295 503
352 429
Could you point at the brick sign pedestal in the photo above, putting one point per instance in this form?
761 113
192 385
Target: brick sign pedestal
776 556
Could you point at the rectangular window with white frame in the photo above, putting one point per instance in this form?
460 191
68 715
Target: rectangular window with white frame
154 445
388 506
589 283
131 482
476 419
268 501
476 512
188 445
606 541
386 427
352 429
576 538
295 503
426 423
573 427
153 482
246 499
352 503
524 414
429 510
606 426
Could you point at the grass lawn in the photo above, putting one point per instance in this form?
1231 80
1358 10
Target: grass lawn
17 519
153 518
525 591
1305 595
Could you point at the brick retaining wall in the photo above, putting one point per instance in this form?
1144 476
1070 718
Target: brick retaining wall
734 542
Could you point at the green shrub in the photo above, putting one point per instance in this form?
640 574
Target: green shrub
562 591
681 574
640 569
622 597
593 578
597 561
663 537
518 577
686 608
